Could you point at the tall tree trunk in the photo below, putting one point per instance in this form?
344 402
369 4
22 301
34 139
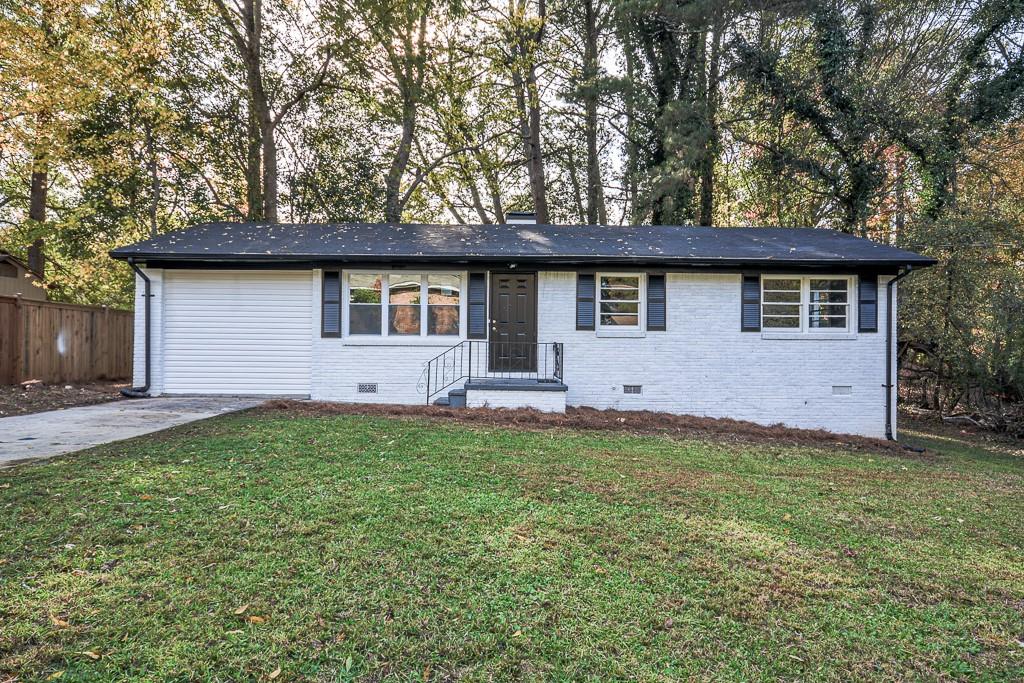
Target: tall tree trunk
399 162
474 194
485 169
253 17
410 69
577 191
39 187
253 167
37 212
269 171
261 151
710 156
493 187
631 213
529 128
528 99
670 83
39 183
261 154
537 182
596 213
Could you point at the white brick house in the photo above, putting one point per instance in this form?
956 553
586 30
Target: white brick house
763 324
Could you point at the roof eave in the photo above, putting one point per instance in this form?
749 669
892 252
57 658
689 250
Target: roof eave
562 259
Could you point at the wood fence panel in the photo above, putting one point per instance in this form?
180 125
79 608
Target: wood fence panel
10 334
57 342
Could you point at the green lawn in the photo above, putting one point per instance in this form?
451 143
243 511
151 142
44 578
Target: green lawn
386 549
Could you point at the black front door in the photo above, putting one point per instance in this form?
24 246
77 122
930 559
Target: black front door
513 338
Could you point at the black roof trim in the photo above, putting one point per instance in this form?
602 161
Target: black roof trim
235 243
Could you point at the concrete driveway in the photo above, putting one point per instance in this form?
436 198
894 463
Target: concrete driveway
43 435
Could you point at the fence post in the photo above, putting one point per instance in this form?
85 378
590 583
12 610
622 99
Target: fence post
108 341
20 340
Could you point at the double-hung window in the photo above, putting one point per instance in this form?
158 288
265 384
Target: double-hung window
444 294
403 305
805 304
828 303
364 301
619 301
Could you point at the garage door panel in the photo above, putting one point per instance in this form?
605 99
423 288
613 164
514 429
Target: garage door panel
242 332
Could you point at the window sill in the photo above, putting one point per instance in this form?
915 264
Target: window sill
816 336
371 340
613 334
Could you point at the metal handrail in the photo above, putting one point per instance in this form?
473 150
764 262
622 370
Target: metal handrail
482 359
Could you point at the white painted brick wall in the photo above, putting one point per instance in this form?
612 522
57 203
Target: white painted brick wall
340 365
398 371
544 401
704 365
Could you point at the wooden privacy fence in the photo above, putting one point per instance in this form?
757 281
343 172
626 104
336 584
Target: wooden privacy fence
57 342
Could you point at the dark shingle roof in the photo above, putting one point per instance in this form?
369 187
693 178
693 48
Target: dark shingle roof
640 244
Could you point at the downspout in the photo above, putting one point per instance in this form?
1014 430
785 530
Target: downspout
143 391
890 381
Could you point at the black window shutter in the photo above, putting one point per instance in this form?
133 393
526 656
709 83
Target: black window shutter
656 303
751 304
477 306
331 313
867 303
585 301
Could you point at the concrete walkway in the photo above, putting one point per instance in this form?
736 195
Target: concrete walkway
43 435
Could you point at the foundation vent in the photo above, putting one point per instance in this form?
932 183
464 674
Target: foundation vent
366 388
842 390
632 389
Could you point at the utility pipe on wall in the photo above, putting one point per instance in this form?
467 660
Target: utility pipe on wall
890 381
143 391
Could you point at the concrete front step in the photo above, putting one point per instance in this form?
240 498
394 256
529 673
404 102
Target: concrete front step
456 398
544 395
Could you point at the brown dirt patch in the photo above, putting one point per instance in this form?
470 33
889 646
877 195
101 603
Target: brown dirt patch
37 398
590 419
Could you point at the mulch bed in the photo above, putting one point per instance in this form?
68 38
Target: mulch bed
36 398
633 422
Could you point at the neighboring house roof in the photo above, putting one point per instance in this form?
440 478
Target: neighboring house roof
17 279
8 256
665 245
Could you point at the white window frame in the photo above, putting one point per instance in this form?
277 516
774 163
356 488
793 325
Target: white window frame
641 318
413 339
805 304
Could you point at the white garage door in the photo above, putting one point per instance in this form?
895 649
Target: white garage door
237 332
